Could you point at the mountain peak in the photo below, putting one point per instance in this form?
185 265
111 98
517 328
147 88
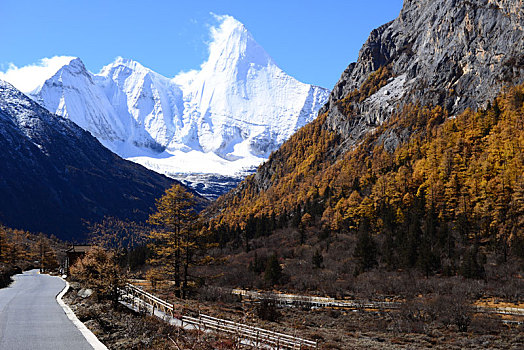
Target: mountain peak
231 44
123 62
228 26
75 66
224 118
32 77
120 65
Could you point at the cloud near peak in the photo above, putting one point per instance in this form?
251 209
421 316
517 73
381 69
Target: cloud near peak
30 77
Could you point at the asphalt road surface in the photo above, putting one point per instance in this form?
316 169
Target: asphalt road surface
30 317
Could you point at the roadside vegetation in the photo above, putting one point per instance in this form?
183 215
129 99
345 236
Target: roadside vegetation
21 250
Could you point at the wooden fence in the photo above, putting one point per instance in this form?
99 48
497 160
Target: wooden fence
310 301
246 334
511 311
150 299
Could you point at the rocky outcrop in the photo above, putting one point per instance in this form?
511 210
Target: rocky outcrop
454 53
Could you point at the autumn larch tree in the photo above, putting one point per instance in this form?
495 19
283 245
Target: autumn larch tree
175 238
46 254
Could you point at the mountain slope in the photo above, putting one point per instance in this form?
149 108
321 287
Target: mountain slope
55 175
368 164
453 54
223 119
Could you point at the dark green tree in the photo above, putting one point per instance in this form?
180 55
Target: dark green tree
317 259
472 265
366 248
273 271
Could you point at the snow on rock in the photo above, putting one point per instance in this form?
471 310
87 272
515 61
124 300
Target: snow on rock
223 119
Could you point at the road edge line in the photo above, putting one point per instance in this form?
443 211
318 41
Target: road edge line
88 335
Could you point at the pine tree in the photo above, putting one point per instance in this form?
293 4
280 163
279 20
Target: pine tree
366 248
317 259
472 264
273 271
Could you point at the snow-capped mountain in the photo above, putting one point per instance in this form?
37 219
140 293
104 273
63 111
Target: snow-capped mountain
223 119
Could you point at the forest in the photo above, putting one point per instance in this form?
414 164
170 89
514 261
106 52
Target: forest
450 194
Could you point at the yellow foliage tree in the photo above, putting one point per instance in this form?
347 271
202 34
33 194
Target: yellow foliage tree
176 238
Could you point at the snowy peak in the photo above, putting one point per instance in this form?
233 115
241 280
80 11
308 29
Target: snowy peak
146 98
75 66
32 77
72 93
232 44
121 68
67 77
125 62
225 118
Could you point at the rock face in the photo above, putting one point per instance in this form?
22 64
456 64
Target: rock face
55 175
453 53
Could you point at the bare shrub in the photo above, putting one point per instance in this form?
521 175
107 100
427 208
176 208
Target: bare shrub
214 293
452 310
267 310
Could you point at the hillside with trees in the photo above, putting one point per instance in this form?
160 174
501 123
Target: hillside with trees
414 163
451 192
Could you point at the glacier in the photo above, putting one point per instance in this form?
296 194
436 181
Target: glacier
218 122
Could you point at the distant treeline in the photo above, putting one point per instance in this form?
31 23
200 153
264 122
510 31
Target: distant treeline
20 250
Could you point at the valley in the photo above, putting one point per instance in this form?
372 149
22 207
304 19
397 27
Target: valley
234 207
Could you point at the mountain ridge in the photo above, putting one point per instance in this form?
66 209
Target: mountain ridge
56 176
457 57
225 118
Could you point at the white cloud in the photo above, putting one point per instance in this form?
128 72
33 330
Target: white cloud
29 77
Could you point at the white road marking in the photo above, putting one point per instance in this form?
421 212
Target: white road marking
90 337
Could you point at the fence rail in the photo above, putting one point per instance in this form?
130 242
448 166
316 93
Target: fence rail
249 335
154 301
299 300
255 336
512 311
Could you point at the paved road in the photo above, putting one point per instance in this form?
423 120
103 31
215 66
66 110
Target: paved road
30 317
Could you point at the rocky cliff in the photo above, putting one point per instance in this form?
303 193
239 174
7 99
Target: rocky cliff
457 54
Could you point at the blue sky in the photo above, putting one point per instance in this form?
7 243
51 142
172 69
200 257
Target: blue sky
313 41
